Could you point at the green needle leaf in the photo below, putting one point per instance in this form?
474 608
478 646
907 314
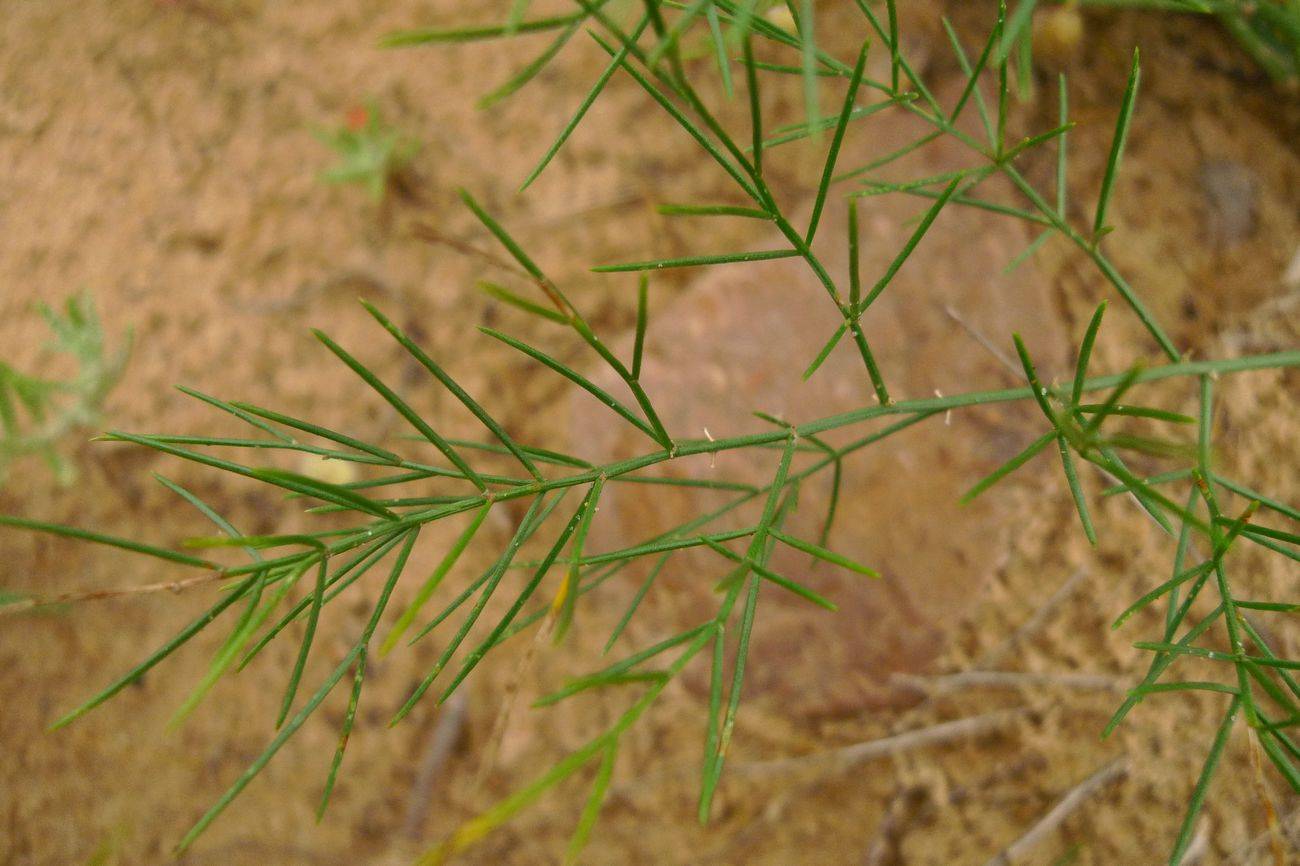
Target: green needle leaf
566 600
390 396
1136 412
825 351
576 378
1028 252
255 412
696 261
232 409
343 577
755 104
1116 149
828 172
181 638
808 44
477 653
909 247
457 391
501 293
335 493
399 566
1203 783
551 291
823 554
1035 385
669 42
1016 26
972 77
688 125
895 57
616 672
262 760
599 787
521 78
296 722
109 540
712 210
1076 491
720 50
766 573
1062 155
1085 354
427 36
434 580
349 717
642 304
585 105
304 649
491 579
1010 466
636 601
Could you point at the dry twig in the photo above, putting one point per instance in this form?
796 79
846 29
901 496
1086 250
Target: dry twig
948 683
110 592
447 730
858 753
1067 806
1032 625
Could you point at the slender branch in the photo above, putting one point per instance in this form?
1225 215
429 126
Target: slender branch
1065 807
859 753
174 586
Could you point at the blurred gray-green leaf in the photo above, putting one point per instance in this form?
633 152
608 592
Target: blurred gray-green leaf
37 413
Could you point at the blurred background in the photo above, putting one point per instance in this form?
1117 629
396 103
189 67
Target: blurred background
171 158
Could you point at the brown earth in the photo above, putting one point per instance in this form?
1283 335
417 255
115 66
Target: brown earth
162 155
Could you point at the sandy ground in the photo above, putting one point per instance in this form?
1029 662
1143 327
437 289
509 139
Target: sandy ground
161 155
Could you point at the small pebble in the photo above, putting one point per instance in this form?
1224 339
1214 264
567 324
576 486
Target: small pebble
329 471
781 17
1057 36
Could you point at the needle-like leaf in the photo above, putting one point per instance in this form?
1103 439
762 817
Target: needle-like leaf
460 394
426 36
1076 490
576 378
1116 149
828 171
909 247
434 580
822 553
403 409
1188 828
108 540
696 261
584 106
501 293
591 811
1010 466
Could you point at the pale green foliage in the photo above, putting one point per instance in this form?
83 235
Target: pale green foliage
39 413
370 152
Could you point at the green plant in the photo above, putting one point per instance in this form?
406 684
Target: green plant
384 513
36 413
1268 30
370 152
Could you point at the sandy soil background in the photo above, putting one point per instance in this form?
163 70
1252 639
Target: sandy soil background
161 154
